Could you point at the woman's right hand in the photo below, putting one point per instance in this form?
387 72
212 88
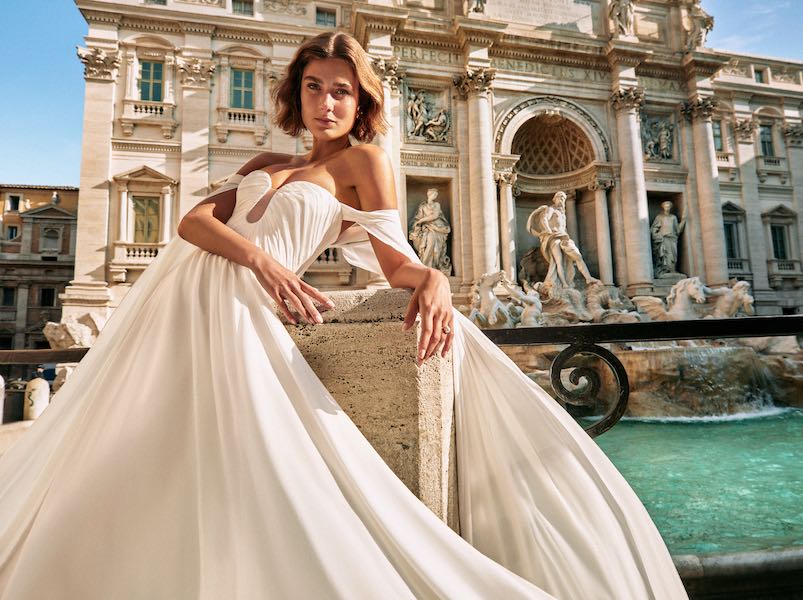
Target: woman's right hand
284 285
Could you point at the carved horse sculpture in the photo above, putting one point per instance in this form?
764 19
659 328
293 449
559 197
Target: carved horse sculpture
486 308
679 303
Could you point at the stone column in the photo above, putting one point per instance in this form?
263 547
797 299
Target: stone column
699 111
89 290
793 134
196 76
21 317
464 256
507 222
603 231
571 215
744 132
618 236
122 217
475 84
388 71
633 191
167 214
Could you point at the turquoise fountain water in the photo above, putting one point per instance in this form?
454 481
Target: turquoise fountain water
716 484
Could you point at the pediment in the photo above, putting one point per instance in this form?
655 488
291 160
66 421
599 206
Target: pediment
731 208
48 211
780 211
145 174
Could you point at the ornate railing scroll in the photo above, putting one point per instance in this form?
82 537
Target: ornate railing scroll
586 339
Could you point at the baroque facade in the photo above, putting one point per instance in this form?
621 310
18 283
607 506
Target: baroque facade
37 259
496 105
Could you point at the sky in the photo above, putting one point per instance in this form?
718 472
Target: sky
41 104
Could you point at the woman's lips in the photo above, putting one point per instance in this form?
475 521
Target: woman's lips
325 122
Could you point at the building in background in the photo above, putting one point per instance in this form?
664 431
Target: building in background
37 261
495 105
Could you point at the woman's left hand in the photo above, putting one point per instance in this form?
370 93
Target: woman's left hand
433 299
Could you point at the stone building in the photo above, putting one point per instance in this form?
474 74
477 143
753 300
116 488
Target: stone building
37 260
496 104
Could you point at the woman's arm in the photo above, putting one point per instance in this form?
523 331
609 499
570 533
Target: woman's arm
432 296
204 225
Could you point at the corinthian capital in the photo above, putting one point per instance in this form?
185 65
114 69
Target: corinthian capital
745 129
388 71
98 63
195 72
474 81
700 107
627 98
505 177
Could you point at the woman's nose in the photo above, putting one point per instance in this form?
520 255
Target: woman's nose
328 101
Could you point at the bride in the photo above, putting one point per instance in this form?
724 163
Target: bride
194 454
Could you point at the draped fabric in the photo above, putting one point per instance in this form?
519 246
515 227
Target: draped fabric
193 453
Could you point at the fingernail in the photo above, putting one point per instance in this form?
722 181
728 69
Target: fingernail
319 318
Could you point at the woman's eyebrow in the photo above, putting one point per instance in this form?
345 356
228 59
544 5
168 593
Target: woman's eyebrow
344 84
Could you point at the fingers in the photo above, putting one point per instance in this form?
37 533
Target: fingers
412 311
425 337
318 296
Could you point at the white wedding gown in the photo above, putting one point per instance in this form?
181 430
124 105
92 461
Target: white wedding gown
194 454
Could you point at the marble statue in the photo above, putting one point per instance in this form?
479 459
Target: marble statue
525 306
665 231
622 13
435 129
731 300
429 232
679 303
607 305
417 111
700 24
657 138
548 224
486 310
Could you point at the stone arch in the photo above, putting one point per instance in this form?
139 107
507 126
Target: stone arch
522 112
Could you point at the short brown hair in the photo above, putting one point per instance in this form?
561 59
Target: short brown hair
370 119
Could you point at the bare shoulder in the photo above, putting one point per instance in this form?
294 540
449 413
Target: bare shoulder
265 159
371 172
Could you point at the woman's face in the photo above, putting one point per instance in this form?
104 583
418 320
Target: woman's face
329 95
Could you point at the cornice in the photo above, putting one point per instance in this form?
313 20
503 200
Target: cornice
567 60
144 147
200 28
96 16
160 26
244 35
476 32
414 158
625 53
703 64
372 18
237 151
408 38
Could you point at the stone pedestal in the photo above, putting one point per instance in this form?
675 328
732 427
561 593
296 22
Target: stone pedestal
367 362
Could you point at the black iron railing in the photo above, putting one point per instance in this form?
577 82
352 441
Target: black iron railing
585 339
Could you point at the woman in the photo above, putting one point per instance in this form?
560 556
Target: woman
194 454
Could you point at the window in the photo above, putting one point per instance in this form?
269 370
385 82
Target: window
242 89
732 240
779 247
760 76
325 17
6 342
159 2
47 297
146 219
765 135
50 241
242 7
9 296
150 81
11 232
718 145
14 202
